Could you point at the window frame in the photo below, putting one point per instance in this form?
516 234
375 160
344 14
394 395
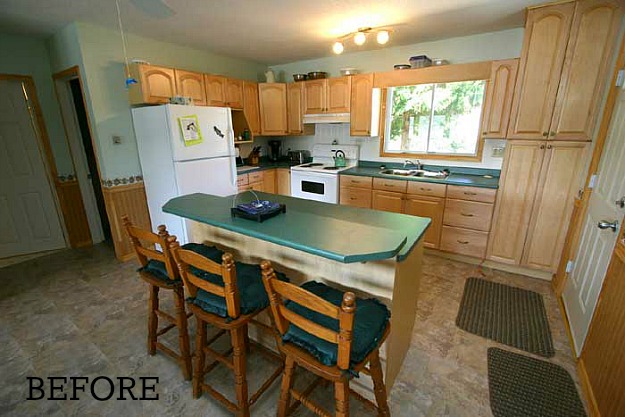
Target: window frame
433 75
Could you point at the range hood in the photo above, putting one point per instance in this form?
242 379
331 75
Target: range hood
310 119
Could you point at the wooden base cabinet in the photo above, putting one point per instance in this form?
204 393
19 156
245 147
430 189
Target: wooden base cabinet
283 181
432 207
539 182
464 241
387 201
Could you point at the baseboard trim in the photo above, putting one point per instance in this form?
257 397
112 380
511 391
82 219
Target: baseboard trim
532 273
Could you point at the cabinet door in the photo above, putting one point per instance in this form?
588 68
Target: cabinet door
156 84
593 36
388 201
338 95
191 84
432 207
272 98
356 197
315 96
499 98
283 182
294 108
360 117
269 181
559 183
515 198
234 93
546 35
215 90
251 108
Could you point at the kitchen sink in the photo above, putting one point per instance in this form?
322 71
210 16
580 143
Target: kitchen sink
415 173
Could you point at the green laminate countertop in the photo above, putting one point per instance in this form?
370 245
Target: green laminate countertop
264 165
340 233
455 178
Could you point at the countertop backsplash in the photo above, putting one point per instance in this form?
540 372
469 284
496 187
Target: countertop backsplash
370 146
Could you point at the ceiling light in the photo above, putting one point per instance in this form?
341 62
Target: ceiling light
383 37
360 38
337 48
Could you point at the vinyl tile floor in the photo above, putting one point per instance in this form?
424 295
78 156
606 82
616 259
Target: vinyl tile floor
83 313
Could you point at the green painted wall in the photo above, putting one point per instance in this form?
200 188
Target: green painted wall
98 51
483 47
25 55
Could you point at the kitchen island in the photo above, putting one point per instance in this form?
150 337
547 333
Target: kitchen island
372 253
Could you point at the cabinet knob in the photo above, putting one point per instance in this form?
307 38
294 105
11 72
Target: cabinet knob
466 214
545 134
549 146
463 242
552 133
542 146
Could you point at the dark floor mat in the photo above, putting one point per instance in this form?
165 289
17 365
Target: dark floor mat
507 315
521 386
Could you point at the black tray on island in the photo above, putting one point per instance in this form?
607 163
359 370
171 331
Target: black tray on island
260 217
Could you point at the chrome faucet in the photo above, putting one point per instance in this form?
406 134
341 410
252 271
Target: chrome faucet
408 162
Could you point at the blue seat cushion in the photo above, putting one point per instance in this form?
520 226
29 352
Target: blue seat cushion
370 321
252 294
158 269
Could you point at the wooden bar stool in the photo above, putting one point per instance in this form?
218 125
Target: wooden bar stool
229 297
160 272
323 331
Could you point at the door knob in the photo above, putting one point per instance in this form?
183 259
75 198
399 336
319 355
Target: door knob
604 224
621 202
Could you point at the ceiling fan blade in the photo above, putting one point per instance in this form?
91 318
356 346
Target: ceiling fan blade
157 9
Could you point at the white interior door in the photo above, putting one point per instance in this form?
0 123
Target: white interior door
29 220
79 158
582 289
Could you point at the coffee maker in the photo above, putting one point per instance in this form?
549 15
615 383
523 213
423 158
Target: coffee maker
274 149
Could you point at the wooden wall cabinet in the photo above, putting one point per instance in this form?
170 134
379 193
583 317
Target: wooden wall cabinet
215 90
360 105
330 95
155 85
538 184
562 70
295 92
272 99
251 107
191 84
498 99
234 93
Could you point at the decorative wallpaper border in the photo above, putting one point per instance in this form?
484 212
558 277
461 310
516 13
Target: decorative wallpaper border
116 182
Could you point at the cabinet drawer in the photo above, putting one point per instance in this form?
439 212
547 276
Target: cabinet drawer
387 201
255 176
242 180
464 241
485 195
357 197
398 186
426 188
356 181
256 186
469 214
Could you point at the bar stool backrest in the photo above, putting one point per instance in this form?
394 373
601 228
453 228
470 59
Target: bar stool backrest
279 291
185 259
145 253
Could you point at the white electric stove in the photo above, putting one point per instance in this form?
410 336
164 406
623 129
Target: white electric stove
319 179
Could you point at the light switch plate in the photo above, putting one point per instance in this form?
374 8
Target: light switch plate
497 152
117 140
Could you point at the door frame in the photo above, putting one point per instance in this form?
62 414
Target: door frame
43 141
581 203
63 77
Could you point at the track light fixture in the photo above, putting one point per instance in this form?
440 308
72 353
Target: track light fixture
382 36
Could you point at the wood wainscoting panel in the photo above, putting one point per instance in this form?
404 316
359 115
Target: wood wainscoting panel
127 200
74 214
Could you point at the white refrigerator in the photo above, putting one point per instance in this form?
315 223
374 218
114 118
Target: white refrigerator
172 167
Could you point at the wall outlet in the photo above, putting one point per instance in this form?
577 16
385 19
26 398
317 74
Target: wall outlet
497 152
117 140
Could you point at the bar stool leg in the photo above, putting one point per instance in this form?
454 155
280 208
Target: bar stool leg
183 333
285 390
341 397
378 385
152 319
200 355
240 380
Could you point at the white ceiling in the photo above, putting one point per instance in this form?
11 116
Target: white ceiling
272 31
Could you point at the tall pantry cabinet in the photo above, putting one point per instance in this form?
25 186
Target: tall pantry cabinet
561 78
